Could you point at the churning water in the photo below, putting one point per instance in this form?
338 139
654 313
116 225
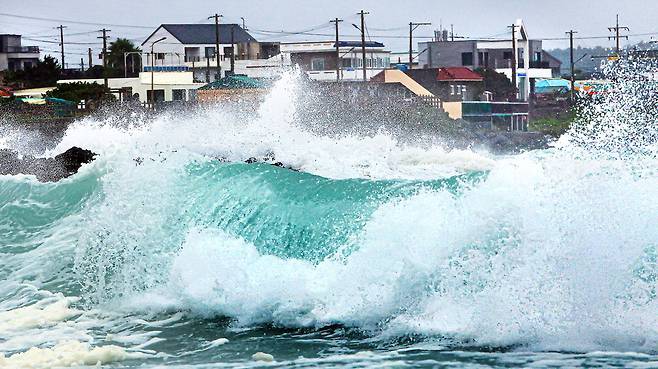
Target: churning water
170 251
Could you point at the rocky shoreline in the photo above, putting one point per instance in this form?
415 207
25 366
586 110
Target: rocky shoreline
45 169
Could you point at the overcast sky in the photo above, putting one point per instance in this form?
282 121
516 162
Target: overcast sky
386 21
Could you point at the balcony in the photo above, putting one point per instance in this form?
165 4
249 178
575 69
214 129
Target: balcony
23 49
535 64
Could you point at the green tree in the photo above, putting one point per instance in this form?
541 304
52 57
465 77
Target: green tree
81 91
497 83
44 73
115 58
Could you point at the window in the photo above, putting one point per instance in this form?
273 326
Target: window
160 56
452 89
178 95
467 58
228 51
538 56
317 64
210 52
159 95
507 55
347 63
483 58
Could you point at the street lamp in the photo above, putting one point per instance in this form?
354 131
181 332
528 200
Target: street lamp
125 62
152 72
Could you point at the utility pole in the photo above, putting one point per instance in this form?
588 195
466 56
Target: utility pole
219 67
153 101
412 27
573 64
61 43
452 32
514 60
91 60
104 37
363 42
336 21
232 49
617 30
82 64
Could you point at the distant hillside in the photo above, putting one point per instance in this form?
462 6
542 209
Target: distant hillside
587 65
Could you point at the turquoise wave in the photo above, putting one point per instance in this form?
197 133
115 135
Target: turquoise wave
294 214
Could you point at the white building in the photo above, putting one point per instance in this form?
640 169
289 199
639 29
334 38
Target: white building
194 46
319 59
168 86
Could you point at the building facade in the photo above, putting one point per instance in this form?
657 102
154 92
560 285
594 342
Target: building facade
319 59
168 86
14 56
450 83
530 61
194 46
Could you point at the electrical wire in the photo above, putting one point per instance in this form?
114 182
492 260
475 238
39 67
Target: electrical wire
74 22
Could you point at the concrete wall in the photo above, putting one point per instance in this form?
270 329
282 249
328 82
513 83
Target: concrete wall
445 53
454 109
449 53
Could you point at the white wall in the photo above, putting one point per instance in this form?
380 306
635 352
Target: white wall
167 81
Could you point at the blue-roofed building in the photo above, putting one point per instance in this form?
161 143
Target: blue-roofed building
319 59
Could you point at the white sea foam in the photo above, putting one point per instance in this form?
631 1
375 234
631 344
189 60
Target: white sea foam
41 314
67 354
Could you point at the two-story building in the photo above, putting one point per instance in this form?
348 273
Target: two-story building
15 56
450 83
195 46
531 61
319 59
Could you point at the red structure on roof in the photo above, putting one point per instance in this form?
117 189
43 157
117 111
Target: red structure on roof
5 92
457 74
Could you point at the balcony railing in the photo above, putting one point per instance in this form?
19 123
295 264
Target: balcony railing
23 49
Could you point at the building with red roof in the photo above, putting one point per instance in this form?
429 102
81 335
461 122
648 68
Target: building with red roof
450 83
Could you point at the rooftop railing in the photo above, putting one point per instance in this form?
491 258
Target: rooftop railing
23 49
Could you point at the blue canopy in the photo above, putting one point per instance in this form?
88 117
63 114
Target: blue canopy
547 86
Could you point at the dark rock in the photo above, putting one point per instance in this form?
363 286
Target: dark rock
45 169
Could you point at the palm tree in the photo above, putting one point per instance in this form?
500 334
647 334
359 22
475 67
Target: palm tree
115 58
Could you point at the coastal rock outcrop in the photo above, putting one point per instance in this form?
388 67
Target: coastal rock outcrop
45 169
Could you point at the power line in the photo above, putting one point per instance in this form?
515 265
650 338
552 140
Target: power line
73 22
57 42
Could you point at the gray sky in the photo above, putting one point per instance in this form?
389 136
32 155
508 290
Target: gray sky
387 19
